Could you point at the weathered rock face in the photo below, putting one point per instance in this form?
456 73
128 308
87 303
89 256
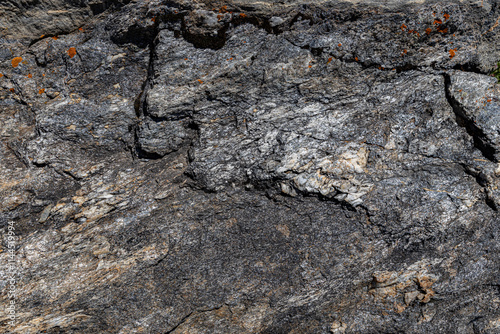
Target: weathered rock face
250 167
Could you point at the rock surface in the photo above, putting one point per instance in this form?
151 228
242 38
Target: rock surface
250 166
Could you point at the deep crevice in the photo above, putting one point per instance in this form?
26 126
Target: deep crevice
41 165
469 67
491 202
477 175
172 117
71 175
139 152
216 42
180 322
406 67
140 101
206 41
477 134
482 180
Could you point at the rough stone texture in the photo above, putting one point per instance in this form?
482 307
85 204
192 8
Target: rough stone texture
251 167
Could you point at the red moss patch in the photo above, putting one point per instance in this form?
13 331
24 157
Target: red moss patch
16 61
71 52
442 30
452 53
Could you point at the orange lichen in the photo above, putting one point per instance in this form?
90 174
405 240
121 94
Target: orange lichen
452 53
329 60
310 66
437 21
428 31
54 38
446 16
243 15
12 90
223 9
185 59
16 61
42 36
153 19
29 75
405 51
1 75
200 81
219 17
340 44
71 52
356 58
442 30
81 29
488 100
403 27
41 91
433 14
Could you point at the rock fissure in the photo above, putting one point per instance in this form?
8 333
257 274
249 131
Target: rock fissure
480 139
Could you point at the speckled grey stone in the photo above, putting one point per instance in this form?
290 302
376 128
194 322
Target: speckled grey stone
250 166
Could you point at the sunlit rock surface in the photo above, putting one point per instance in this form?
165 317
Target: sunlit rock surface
250 166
